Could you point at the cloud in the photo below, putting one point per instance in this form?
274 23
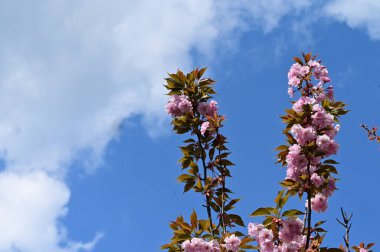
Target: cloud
357 14
70 74
30 205
268 14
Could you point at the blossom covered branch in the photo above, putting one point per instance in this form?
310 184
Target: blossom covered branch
206 165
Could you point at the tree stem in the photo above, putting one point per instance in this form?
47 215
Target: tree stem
223 183
208 198
309 211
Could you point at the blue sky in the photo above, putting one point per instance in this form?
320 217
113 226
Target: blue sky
89 160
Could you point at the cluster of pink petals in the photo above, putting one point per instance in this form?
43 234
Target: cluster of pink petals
327 145
200 245
295 158
303 135
291 230
207 109
297 74
204 127
232 243
303 100
321 130
290 236
254 229
316 180
320 72
330 188
321 118
178 105
318 203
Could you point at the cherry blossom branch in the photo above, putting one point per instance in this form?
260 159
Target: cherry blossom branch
372 133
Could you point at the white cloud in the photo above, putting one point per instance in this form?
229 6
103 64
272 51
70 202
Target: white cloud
268 14
30 205
71 73
357 14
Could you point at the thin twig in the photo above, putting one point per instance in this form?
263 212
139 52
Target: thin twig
345 222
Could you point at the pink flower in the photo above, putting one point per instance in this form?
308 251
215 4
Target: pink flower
313 63
304 70
333 131
363 250
232 243
265 235
187 246
292 172
319 93
185 106
326 145
321 118
303 100
303 135
291 230
215 246
267 246
295 158
254 229
291 92
321 73
319 203
204 127
179 105
316 179
197 243
200 245
331 187
295 71
294 81
207 109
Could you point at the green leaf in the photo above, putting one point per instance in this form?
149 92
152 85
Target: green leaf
330 161
189 184
237 219
282 147
292 212
184 177
262 211
193 219
226 162
229 206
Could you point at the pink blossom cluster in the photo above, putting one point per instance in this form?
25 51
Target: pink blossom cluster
232 243
204 127
290 236
319 130
303 100
179 105
207 109
318 203
200 245
298 73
